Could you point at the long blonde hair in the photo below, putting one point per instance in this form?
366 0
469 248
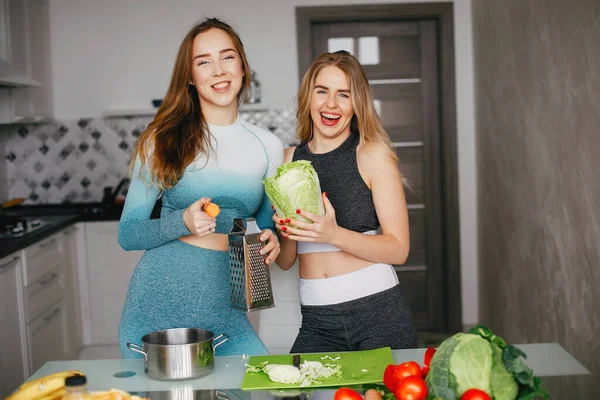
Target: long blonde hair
365 120
179 132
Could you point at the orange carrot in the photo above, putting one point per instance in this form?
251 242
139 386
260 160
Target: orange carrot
212 209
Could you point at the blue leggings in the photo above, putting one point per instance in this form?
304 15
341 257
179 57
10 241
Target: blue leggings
178 285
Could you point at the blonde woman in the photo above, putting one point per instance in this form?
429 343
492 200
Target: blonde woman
196 150
349 293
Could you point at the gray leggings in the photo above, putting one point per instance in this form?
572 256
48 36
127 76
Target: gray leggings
380 320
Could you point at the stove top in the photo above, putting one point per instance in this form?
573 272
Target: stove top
20 226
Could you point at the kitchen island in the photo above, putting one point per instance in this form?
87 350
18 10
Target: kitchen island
548 360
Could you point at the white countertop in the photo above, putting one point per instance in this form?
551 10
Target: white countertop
546 359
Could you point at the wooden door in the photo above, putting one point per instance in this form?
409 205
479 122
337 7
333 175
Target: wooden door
401 62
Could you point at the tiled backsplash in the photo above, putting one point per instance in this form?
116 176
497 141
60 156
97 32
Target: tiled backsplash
73 160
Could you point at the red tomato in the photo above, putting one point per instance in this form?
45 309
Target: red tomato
388 377
394 374
347 394
411 388
407 369
428 356
475 394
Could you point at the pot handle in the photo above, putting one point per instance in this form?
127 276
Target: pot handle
138 349
221 342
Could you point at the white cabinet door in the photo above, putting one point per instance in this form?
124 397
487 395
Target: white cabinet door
46 336
32 104
109 269
73 321
4 36
12 350
25 72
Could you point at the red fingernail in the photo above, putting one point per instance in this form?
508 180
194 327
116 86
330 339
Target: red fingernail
281 221
284 228
288 220
286 237
325 193
297 211
272 207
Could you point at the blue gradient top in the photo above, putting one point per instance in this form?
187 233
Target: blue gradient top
231 175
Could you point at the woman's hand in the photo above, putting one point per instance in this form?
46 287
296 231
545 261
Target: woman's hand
197 221
272 248
322 230
279 223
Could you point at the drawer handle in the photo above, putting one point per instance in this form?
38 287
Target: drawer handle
48 243
70 230
48 318
48 279
9 264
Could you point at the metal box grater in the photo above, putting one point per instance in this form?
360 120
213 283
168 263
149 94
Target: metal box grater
249 277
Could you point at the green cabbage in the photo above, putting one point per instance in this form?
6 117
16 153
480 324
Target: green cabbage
483 361
295 186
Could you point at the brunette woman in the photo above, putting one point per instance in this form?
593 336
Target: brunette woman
196 150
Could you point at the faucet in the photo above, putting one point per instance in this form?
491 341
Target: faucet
109 195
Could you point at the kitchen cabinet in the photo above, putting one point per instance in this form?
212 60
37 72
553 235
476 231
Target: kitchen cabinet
43 293
278 326
46 335
25 62
13 41
73 339
13 365
109 269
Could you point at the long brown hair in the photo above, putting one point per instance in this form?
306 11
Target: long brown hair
179 132
365 119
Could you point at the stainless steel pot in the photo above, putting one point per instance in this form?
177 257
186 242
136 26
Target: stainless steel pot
188 393
176 354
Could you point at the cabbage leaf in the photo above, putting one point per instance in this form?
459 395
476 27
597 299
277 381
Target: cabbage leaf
295 185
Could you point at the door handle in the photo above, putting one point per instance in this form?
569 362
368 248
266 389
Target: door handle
48 243
48 318
48 279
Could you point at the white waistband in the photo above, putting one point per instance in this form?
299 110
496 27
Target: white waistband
310 247
354 285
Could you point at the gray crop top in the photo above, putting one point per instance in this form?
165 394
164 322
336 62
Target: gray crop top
346 190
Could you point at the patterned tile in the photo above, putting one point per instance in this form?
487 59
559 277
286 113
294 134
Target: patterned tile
73 160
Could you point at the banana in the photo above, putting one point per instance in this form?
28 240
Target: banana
38 388
56 395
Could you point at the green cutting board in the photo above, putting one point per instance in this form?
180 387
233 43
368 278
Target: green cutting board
358 367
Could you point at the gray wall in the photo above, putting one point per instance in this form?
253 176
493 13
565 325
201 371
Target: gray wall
537 92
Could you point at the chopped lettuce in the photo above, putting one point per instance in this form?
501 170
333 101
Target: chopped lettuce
310 372
283 373
295 186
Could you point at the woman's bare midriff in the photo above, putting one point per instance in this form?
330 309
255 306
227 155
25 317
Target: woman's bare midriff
214 241
328 264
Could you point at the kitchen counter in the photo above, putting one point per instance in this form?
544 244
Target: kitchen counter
57 218
546 359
